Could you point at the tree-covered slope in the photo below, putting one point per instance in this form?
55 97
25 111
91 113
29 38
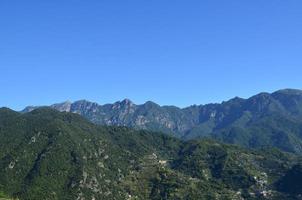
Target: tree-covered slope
50 154
3 196
262 120
46 154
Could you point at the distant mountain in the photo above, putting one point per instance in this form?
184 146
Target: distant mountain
46 154
263 120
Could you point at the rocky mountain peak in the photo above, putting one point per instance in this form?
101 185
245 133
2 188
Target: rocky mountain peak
127 102
124 104
63 107
29 109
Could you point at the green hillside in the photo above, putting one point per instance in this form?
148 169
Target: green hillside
46 154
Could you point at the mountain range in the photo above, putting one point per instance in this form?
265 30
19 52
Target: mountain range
47 154
266 119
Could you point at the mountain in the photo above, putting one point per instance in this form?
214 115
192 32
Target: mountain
46 154
263 120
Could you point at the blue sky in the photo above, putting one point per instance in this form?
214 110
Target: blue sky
171 52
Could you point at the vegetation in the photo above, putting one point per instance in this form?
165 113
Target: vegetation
46 154
3 196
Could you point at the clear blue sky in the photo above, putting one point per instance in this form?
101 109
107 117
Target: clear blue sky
168 51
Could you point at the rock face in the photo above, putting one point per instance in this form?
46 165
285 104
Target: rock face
63 107
264 119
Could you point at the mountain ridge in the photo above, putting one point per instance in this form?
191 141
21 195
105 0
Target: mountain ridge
238 120
128 101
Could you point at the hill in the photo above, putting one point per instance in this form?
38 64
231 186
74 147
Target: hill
46 154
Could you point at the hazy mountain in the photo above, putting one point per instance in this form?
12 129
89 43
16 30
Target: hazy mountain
262 120
46 154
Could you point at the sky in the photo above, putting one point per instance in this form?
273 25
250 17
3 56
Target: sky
172 52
